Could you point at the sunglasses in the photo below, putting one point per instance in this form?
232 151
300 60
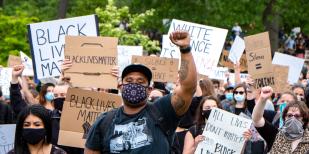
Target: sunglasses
297 116
239 92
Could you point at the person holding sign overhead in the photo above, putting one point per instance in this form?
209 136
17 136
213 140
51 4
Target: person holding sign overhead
140 127
293 137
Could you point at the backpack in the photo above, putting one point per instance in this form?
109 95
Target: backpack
159 121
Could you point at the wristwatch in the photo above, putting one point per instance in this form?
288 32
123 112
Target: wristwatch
185 50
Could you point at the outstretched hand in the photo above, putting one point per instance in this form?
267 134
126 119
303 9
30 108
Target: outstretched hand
180 38
266 92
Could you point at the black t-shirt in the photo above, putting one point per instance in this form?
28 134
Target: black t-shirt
134 133
188 119
268 132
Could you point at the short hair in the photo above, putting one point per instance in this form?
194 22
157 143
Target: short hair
302 108
20 145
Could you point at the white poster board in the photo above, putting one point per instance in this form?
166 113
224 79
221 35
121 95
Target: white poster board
237 49
243 77
27 62
218 73
206 43
169 50
5 79
125 54
47 42
7 137
223 133
296 65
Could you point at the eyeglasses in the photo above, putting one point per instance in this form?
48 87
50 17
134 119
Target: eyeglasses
297 116
239 92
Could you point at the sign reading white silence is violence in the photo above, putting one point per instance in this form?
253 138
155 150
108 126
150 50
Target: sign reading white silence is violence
223 133
47 42
206 42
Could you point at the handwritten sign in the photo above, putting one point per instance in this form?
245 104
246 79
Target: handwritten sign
295 64
237 49
281 78
265 79
93 59
206 42
224 61
7 137
258 54
218 73
27 62
80 110
13 60
5 79
47 42
163 69
243 77
125 54
223 133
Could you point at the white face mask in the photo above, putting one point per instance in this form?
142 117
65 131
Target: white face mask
239 98
293 129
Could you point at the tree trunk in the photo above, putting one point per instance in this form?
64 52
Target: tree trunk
271 25
63 5
1 3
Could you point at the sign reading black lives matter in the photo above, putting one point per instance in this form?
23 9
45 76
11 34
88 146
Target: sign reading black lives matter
206 42
223 133
80 110
47 42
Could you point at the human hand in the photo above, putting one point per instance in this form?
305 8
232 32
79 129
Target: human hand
180 38
115 71
66 65
266 92
198 139
16 72
247 134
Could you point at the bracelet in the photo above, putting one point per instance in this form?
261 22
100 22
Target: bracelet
185 50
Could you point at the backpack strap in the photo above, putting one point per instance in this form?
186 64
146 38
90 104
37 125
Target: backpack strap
106 123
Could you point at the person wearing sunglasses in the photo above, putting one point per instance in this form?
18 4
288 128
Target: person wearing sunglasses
293 137
239 100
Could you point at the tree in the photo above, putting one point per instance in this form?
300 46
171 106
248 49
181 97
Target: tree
127 27
63 5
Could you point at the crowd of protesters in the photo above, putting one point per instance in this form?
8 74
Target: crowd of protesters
177 111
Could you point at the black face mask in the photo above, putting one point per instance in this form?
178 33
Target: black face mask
58 103
206 113
33 136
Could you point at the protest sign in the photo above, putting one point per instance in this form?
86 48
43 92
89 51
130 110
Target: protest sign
223 133
27 62
258 54
281 78
295 64
237 49
80 110
47 42
206 42
13 60
224 61
7 137
93 59
163 69
306 56
125 54
218 73
243 77
265 79
5 79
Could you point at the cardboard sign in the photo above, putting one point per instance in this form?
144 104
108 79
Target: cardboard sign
5 79
13 60
224 61
258 54
262 80
47 42
80 110
237 49
93 59
295 64
125 54
223 133
281 78
206 43
27 62
7 137
163 69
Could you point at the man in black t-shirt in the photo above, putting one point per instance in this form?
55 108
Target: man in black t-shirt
133 128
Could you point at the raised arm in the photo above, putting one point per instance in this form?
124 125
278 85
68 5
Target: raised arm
182 96
258 111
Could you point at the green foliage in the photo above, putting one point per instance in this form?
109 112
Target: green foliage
110 19
13 35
